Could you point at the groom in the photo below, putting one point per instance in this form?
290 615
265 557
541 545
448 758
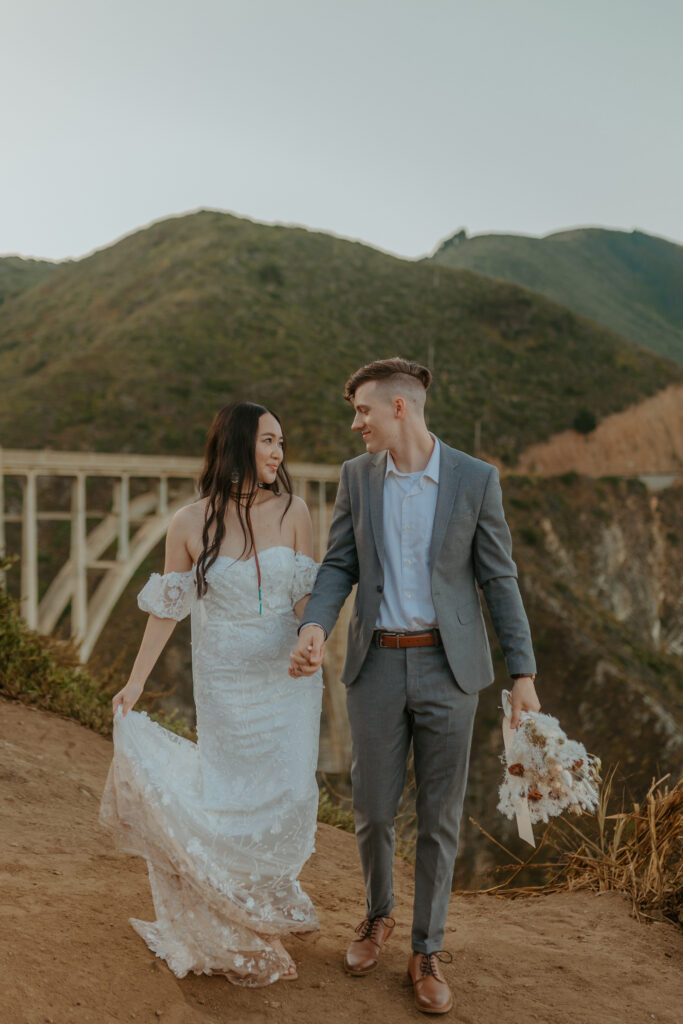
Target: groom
417 525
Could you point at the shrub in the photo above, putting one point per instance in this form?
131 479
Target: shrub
44 672
529 535
584 421
569 479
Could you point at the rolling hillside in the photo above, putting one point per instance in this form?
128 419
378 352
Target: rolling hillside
630 282
135 347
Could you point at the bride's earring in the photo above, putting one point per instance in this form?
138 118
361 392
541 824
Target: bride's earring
235 477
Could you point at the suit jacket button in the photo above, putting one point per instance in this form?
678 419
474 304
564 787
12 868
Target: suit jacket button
380 590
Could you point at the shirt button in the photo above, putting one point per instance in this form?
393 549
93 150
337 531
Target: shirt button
409 595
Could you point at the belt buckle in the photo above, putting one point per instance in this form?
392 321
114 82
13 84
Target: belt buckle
395 635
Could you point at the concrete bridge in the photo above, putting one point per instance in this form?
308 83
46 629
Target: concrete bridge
103 557
129 529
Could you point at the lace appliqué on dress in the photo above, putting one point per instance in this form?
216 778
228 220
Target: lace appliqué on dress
305 572
169 596
219 894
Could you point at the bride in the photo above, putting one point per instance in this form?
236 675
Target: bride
226 824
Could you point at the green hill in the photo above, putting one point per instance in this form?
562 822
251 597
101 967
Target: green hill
18 274
134 347
630 282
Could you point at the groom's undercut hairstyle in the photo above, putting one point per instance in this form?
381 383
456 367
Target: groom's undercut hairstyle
396 376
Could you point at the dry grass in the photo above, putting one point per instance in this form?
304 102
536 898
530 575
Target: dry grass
637 852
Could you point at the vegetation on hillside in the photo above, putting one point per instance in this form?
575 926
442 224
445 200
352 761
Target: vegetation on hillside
629 281
45 673
135 347
17 274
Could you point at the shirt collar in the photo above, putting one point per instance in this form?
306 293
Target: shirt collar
431 470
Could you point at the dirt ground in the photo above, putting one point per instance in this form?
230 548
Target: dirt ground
68 954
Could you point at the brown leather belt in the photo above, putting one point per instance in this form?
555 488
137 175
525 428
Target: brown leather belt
386 638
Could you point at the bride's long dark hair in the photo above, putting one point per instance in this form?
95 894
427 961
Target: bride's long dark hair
229 472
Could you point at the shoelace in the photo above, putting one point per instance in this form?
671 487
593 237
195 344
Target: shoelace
367 929
428 964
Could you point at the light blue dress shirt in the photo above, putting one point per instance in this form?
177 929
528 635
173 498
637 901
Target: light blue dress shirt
409 507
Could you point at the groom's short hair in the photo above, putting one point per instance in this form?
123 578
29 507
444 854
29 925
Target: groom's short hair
384 370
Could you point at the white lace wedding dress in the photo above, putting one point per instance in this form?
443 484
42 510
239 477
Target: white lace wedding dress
225 824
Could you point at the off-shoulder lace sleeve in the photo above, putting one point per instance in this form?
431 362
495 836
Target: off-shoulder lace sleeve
169 596
305 572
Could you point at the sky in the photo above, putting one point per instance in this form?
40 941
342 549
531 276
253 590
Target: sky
396 122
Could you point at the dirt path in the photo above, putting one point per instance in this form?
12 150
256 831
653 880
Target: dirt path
67 953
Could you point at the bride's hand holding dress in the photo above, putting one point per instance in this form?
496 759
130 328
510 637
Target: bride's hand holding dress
160 625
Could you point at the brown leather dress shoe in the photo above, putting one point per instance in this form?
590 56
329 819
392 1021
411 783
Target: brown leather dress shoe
362 956
432 994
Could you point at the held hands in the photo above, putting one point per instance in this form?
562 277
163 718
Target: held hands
307 656
524 698
127 697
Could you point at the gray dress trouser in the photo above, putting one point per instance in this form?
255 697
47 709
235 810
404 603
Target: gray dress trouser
399 696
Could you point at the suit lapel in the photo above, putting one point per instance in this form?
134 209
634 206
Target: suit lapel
376 476
449 482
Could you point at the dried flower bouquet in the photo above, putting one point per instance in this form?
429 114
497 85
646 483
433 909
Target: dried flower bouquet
545 768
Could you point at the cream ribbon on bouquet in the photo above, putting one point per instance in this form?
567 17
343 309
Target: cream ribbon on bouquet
545 772
521 806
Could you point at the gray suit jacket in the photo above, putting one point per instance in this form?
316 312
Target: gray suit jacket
470 544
